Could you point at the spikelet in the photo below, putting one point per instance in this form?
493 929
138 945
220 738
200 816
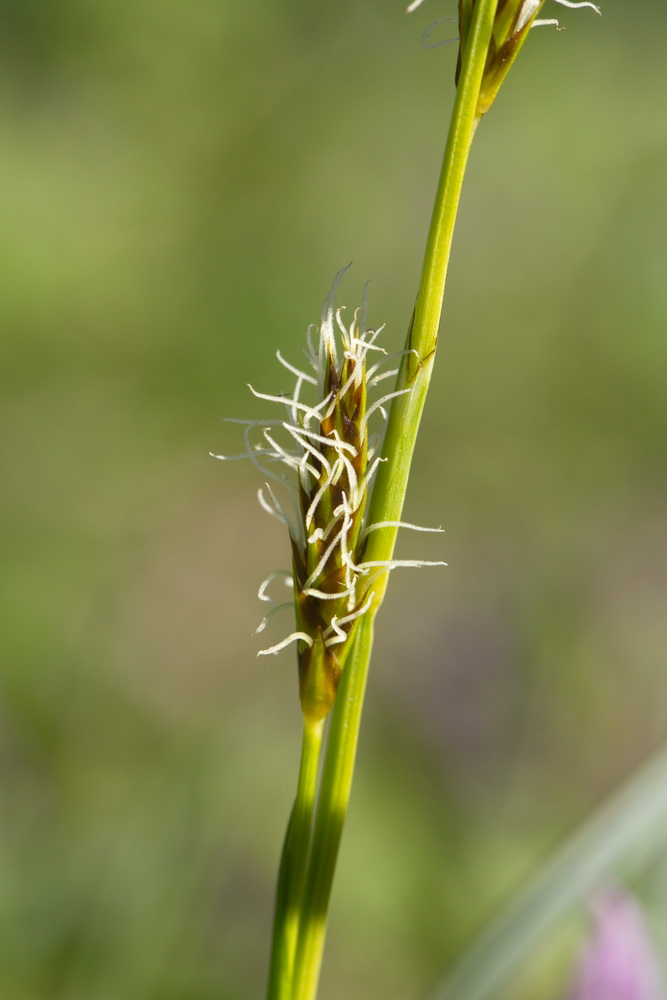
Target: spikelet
513 19
323 455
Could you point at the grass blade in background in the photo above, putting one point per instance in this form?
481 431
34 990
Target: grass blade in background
629 827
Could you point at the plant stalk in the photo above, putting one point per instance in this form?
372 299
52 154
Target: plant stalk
292 870
386 505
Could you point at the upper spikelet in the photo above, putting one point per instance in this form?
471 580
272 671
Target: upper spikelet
512 22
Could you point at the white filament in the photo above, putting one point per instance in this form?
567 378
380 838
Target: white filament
294 637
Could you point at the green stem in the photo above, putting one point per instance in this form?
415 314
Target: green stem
415 373
333 800
386 505
292 871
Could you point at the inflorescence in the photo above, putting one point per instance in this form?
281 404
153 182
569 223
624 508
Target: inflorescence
323 454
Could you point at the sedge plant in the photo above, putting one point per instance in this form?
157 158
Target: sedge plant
339 484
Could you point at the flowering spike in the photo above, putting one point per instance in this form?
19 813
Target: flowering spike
323 444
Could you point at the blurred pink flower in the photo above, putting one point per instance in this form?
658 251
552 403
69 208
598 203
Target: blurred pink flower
619 962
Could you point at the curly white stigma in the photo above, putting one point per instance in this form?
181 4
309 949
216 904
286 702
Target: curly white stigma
529 8
318 459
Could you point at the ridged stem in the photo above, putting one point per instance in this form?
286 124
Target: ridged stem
331 810
292 871
386 505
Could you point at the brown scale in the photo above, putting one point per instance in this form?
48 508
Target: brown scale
319 668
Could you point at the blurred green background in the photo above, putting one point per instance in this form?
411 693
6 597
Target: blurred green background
178 186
